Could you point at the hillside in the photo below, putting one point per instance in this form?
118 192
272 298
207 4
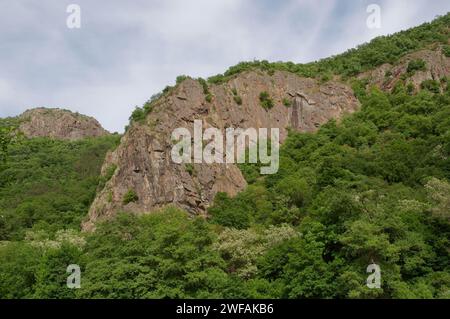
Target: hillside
364 178
59 124
142 162
300 103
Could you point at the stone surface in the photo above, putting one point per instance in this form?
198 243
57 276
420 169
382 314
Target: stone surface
437 67
143 159
59 124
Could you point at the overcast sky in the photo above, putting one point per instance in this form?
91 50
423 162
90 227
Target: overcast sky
125 51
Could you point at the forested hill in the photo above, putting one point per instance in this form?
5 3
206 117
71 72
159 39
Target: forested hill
373 187
367 56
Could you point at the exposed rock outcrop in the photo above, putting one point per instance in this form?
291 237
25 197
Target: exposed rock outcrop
437 66
142 163
59 124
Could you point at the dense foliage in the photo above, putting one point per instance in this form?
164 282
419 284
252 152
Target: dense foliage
48 185
383 49
373 188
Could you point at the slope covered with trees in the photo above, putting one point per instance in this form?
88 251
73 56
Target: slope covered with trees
373 188
47 185
383 49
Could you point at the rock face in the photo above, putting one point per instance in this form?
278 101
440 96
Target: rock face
143 165
59 124
437 66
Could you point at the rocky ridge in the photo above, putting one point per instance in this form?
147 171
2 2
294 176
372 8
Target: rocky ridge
142 163
59 124
437 66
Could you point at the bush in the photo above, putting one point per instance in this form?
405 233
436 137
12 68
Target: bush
167 89
108 175
229 213
190 169
416 65
140 113
410 88
265 100
287 102
204 84
180 79
137 115
431 85
446 50
326 77
130 196
237 99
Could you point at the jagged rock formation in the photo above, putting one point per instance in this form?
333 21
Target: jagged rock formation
59 124
142 163
387 75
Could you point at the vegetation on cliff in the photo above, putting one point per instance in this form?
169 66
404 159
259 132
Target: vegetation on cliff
47 185
383 49
373 188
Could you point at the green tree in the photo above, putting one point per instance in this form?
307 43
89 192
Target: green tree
162 255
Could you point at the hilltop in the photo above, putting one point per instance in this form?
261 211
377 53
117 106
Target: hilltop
59 124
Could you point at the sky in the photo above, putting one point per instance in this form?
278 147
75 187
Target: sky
126 51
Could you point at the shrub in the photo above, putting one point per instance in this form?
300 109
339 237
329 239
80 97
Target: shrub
410 88
167 89
130 196
326 77
204 84
190 169
137 115
108 175
237 99
228 212
287 102
431 85
265 100
181 78
416 65
148 107
446 50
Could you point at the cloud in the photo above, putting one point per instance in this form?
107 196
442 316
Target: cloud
127 51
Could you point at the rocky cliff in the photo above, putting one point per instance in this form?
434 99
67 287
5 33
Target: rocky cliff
59 124
436 67
142 163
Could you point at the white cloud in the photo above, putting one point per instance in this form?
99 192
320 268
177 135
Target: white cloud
127 51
